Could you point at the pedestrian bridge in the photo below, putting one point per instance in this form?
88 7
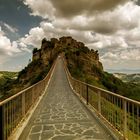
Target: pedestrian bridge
63 108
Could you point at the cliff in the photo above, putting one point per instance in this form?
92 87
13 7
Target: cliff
67 45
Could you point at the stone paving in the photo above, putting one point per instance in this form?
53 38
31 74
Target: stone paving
61 116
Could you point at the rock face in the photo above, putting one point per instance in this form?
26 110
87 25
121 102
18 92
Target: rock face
67 45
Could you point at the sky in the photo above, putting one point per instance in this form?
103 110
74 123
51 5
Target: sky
110 26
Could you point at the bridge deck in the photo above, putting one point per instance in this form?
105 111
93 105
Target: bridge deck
61 116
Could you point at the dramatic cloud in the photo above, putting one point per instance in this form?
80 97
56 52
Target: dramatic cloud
111 26
33 38
10 49
124 59
108 22
41 8
6 46
70 8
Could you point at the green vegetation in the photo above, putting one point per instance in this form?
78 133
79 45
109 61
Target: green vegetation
7 76
112 110
40 76
33 73
133 78
35 50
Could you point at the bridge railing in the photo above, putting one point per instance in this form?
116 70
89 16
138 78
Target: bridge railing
120 113
14 109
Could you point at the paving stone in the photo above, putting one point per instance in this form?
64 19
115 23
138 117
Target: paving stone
58 126
36 129
64 138
47 127
46 135
67 127
88 132
79 131
67 132
58 132
34 137
38 120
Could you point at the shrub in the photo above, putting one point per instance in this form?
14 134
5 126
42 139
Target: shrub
44 40
35 50
84 50
97 71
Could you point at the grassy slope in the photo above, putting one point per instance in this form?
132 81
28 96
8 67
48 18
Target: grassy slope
5 76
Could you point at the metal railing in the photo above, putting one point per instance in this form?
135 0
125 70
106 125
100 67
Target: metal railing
14 109
121 113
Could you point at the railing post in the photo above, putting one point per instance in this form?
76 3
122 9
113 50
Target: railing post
125 118
23 104
1 123
99 101
33 96
87 93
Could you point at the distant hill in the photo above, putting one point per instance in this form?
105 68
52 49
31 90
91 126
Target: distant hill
5 76
133 78
126 71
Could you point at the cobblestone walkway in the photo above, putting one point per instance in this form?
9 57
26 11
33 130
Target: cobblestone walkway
61 116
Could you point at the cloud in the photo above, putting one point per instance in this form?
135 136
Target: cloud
6 46
108 22
1 32
112 28
105 21
9 49
125 55
34 37
129 58
69 8
10 28
41 8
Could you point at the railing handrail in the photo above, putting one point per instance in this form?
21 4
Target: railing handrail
109 92
17 94
24 90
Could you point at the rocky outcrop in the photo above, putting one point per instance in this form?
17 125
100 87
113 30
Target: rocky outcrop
68 45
